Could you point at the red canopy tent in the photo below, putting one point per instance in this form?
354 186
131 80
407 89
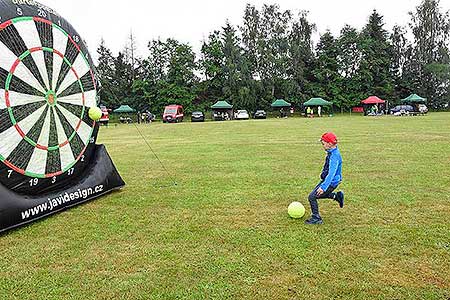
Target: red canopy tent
372 106
373 100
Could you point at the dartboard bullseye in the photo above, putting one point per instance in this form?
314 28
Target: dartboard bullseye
48 88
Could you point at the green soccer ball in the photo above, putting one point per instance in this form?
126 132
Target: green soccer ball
296 210
95 113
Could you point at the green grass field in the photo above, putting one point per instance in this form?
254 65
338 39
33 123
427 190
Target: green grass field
223 231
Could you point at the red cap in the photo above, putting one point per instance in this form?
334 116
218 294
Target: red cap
329 137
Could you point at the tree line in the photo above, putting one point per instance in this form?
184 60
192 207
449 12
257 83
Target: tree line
271 55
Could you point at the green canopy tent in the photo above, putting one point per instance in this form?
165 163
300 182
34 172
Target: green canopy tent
125 109
414 99
282 105
319 102
222 110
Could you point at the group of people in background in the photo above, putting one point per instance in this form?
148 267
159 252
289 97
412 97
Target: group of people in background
310 112
145 117
222 116
374 110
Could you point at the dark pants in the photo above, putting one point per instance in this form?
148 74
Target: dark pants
328 194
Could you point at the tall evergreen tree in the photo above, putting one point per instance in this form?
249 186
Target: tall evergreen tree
232 64
211 66
349 60
123 80
431 30
375 76
299 69
401 54
106 75
251 35
326 70
273 47
212 56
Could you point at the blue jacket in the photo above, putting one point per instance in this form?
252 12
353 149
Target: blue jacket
332 169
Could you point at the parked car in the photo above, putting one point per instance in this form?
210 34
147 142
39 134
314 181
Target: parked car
241 115
197 116
260 114
173 114
402 109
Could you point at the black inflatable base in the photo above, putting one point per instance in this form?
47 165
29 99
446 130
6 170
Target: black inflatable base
101 177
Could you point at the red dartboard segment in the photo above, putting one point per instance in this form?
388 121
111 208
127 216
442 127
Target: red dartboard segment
5 24
14 66
41 147
8 104
19 130
93 80
37 19
59 53
75 72
82 153
53 175
13 167
35 49
73 42
64 144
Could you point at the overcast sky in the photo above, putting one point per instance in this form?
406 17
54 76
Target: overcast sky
191 21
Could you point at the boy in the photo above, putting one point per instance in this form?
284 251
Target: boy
331 177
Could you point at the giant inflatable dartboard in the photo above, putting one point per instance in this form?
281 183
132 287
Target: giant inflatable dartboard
47 85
